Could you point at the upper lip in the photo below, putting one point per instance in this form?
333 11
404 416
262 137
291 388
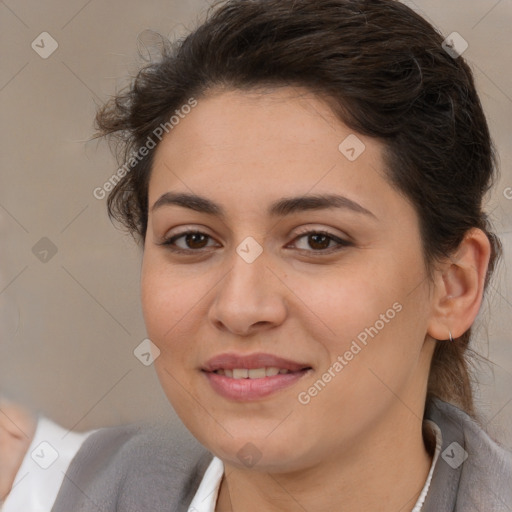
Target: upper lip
230 361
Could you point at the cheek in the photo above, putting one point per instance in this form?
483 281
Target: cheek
343 301
370 318
166 298
155 299
166 303
174 308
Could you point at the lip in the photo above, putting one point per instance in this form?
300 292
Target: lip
242 390
229 361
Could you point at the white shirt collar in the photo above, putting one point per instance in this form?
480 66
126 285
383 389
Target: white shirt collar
439 443
205 498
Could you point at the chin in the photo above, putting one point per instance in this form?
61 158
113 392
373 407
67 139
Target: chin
258 453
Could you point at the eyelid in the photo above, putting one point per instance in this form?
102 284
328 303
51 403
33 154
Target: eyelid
323 230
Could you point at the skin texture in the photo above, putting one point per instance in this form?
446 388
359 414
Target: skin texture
357 444
17 428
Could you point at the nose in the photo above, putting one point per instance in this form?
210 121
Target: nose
250 298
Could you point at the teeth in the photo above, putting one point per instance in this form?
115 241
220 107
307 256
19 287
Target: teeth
254 373
240 373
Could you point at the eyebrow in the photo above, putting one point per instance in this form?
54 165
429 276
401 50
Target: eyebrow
280 208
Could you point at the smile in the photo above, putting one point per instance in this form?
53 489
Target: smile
253 373
249 377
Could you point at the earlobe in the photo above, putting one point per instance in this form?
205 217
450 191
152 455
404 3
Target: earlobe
459 287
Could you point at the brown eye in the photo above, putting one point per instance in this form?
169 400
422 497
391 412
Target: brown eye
320 241
194 241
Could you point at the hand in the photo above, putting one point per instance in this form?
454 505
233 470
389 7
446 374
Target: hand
17 428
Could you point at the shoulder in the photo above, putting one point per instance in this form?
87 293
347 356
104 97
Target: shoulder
133 468
482 448
473 471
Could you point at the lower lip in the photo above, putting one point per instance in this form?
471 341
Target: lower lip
252 389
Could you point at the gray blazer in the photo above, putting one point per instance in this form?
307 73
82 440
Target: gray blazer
136 469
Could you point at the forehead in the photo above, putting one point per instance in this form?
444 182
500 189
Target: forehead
253 146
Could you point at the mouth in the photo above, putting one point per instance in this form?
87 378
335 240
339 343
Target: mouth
252 377
253 373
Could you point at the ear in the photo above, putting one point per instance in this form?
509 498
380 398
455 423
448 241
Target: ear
459 287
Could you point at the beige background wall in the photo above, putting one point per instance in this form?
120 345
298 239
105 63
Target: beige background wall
69 325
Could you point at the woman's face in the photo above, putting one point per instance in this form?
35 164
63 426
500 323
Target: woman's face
331 292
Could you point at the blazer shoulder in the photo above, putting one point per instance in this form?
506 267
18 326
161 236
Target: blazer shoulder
479 466
132 468
483 447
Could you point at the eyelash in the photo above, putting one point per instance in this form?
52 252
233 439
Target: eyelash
168 243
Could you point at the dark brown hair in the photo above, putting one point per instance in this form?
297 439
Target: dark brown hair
384 72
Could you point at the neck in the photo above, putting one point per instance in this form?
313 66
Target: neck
385 470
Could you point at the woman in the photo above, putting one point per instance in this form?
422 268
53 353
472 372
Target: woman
306 181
